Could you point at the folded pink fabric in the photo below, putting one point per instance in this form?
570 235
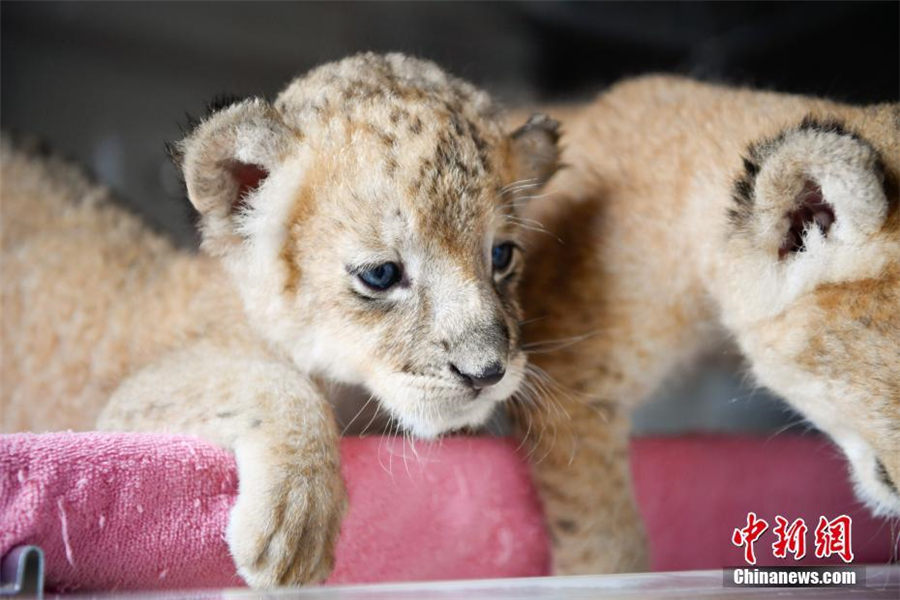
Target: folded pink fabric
137 511
140 511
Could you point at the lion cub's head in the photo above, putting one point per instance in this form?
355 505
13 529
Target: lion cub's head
815 247
368 218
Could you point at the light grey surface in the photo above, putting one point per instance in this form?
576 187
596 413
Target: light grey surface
881 582
718 395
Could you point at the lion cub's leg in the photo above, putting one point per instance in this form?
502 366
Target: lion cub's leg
579 452
603 331
284 525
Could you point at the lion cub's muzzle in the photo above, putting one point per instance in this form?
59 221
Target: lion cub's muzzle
492 374
480 356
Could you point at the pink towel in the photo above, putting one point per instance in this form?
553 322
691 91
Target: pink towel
133 511
695 490
139 511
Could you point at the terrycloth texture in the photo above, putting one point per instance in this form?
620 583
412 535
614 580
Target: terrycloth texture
147 511
138 511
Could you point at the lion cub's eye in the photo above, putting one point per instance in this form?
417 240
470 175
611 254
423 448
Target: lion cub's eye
381 277
501 256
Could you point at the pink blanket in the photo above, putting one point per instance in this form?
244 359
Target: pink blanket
132 511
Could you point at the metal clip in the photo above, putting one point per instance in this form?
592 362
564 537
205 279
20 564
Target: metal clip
22 572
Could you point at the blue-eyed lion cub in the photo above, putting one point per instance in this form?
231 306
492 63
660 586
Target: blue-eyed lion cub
360 229
377 225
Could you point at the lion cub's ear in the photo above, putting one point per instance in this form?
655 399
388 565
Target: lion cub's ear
812 185
225 161
534 150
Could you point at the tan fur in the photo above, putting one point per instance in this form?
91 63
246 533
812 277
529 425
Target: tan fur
644 267
385 158
369 160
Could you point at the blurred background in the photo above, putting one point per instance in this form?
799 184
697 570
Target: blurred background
108 83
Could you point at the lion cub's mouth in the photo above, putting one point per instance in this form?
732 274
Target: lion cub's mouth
358 412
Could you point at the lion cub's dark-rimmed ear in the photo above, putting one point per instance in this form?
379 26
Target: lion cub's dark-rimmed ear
534 150
226 159
812 185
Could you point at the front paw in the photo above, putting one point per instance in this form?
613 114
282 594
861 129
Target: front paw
285 523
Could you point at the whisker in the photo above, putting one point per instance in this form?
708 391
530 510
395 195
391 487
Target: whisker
540 230
406 437
371 420
381 442
545 346
531 320
785 427
519 184
358 412
537 394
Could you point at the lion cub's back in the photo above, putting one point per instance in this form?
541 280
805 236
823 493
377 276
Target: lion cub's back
69 257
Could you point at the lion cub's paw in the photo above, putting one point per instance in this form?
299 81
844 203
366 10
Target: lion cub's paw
284 526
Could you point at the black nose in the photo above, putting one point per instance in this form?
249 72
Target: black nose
491 375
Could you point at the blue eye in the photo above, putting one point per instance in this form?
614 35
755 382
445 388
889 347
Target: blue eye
501 256
381 277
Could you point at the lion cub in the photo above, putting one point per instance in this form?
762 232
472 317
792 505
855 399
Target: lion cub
688 212
362 229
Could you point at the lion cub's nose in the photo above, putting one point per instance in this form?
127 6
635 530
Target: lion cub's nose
492 374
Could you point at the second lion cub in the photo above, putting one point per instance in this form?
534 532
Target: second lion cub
686 212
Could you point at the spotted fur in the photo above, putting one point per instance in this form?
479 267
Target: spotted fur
360 162
667 229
